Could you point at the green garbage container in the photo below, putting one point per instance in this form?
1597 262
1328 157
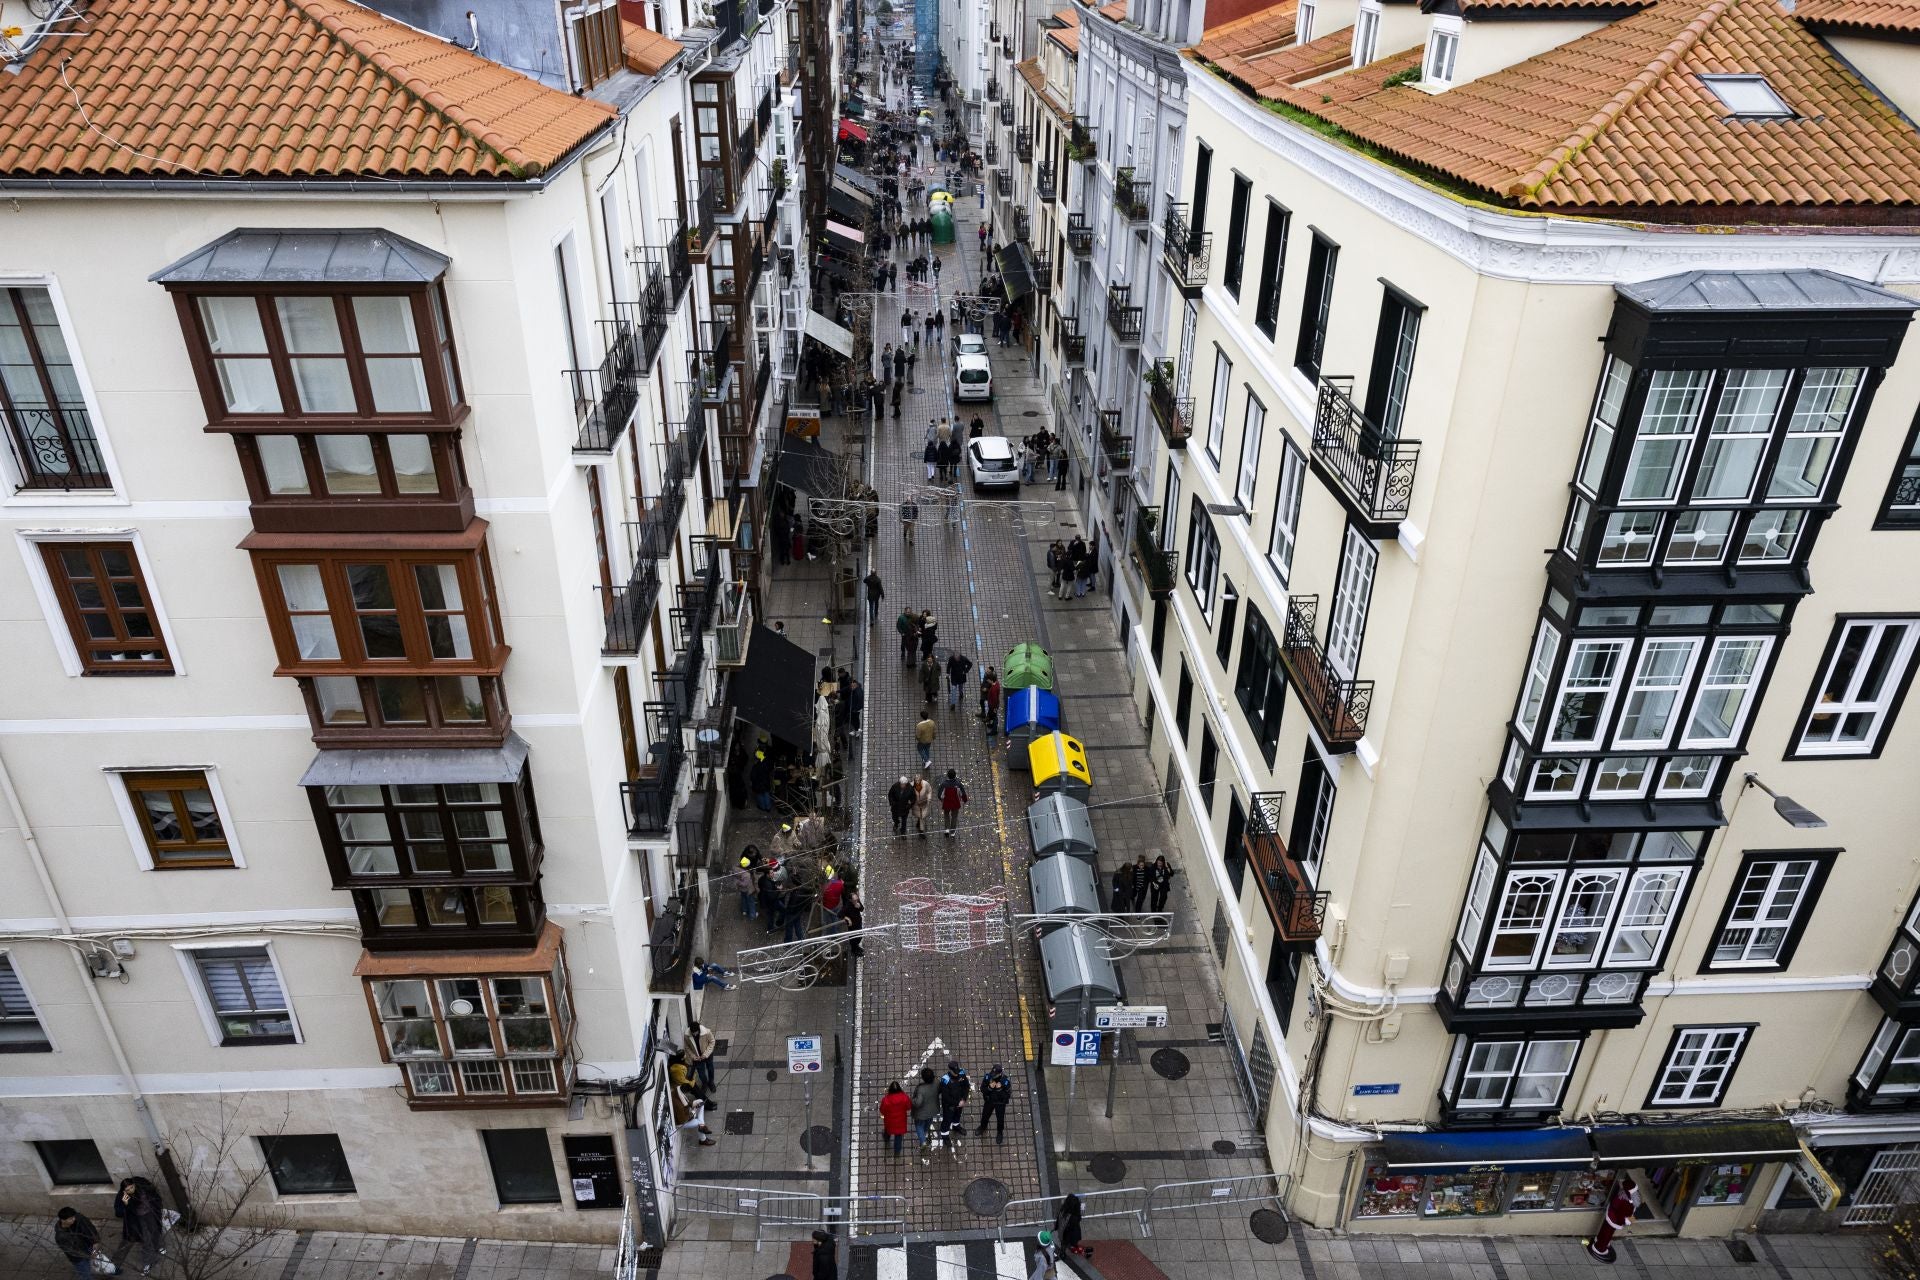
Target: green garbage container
1027 665
943 224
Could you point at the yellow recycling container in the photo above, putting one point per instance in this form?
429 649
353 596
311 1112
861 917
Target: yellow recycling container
1059 766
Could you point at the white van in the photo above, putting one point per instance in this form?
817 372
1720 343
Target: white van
974 378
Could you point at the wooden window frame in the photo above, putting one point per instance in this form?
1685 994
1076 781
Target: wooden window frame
432 326
71 421
377 934
449 472
1744 1030
1462 1055
478 607
185 855
94 654
1804 903
435 730
516 806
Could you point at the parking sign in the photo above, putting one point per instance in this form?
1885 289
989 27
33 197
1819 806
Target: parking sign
803 1054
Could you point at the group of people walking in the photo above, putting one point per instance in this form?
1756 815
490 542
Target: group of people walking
1075 568
143 1219
1141 885
1043 456
935 1106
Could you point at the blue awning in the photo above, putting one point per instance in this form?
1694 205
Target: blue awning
1448 1152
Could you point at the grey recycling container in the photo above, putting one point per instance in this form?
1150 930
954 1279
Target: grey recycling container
1063 885
1061 824
1078 973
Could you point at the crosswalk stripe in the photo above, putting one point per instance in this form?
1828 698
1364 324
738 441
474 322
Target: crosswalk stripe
890 1264
1009 1261
950 1262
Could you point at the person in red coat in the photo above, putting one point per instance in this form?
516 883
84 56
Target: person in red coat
893 1115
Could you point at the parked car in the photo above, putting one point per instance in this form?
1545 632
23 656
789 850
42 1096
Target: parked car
991 463
969 344
974 378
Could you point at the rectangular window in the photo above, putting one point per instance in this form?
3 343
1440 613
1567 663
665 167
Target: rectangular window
411 832
1217 412
1347 624
1443 48
1766 912
1699 1066
1393 346
1273 255
1510 1074
1727 686
1366 35
1260 686
400 466
1896 1048
1316 304
440 1028
307 1164
73 1162
1183 701
49 428
178 819
1587 688
1203 558
1473 913
1209 765
1256 423
20 1029
1820 415
1286 509
360 610
1901 509
1653 697
1737 434
1229 614
1869 665
243 989
594 31
522 1164
1237 233
364 709
1664 435
1647 912
1615 379
1202 177
1303 22
108 608
1533 694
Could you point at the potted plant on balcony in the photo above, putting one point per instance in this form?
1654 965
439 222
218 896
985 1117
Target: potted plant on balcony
1150 559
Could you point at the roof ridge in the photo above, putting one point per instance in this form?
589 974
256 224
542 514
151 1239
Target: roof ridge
1603 119
333 25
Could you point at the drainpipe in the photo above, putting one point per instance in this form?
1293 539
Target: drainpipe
162 1154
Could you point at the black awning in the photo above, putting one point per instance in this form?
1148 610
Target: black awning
1449 1152
1725 1140
856 179
805 467
774 689
843 203
1016 268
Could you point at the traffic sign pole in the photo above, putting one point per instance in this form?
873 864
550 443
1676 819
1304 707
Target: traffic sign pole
803 1059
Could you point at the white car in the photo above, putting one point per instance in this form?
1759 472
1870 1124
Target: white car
969 344
991 462
973 376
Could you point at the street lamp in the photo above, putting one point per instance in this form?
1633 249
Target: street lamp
1796 814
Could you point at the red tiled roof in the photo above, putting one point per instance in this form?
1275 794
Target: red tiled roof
1469 8
274 89
647 52
1116 10
1267 30
1889 16
1620 118
1222 13
1067 35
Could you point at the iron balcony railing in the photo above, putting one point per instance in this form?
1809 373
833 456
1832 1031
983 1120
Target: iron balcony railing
1131 196
993 91
1073 343
605 397
628 608
763 114
55 448
709 366
1373 471
1043 269
650 796
649 314
1185 254
1337 705
676 258
1023 143
1173 412
1006 113
1043 184
1115 444
1123 317
1079 235
1154 561
993 153
1080 144
734 627
706 206
1003 181
1006 46
1298 910
1022 226
993 31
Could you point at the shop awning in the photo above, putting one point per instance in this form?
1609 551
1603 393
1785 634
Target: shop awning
1016 268
374 767
1729 1140
848 205
839 268
774 689
828 334
848 129
1451 1152
845 234
856 179
807 468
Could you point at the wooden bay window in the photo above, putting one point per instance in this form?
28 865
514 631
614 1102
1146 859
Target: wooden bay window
350 480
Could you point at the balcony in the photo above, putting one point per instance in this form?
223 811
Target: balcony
1173 412
674 258
1338 706
1079 235
650 797
650 314
1131 196
1043 183
993 91
1006 47
651 537
993 153
708 197
1153 562
1184 254
55 449
1080 145
605 397
1043 270
1003 182
1022 226
1560 1000
1123 317
1116 445
708 367
1006 114
629 608
1297 909
1073 343
1370 472
734 627
1023 143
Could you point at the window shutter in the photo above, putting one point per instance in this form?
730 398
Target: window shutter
13 992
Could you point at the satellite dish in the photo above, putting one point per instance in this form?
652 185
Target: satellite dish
460 1008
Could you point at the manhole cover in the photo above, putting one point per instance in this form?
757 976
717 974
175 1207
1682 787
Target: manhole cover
986 1197
817 1141
1170 1063
1270 1226
720 1045
1225 1147
1107 1168
739 1123
772 1075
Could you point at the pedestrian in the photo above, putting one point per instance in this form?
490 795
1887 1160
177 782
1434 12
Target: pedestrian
931 456
1160 880
953 795
925 1108
996 1090
1123 889
876 592
833 895
698 1048
930 678
743 880
909 512
1089 573
886 364
895 1109
1066 1227
923 735
854 698
1046 1259
897 390
922 801
955 1089
75 1236
710 975
900 804
913 361
795 902
990 702
142 1223
1142 882
826 1263
958 664
855 911
769 895
689 1099
1059 464
900 362
929 633
908 625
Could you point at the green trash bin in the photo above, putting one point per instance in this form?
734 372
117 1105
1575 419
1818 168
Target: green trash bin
1027 666
943 225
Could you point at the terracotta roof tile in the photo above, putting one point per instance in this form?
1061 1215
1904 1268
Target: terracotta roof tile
1116 10
1620 118
1470 8
276 89
647 52
1892 16
1067 34
1267 31
1036 79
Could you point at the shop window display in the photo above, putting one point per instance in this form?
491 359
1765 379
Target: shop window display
1486 1193
1465 1195
1725 1184
1390 1195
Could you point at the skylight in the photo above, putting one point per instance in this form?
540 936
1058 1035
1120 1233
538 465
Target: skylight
1748 97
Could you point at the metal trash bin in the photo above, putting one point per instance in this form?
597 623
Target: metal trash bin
1059 765
1032 713
1079 975
1063 885
1061 824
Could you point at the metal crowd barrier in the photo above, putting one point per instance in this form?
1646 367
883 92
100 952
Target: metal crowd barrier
1207 1193
1114 1202
800 1211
